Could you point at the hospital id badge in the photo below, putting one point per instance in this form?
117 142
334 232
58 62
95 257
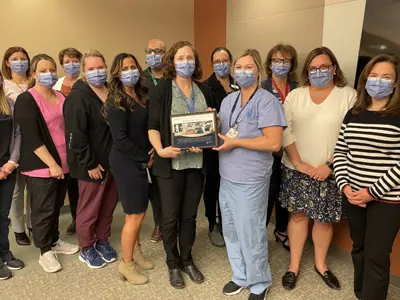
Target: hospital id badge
233 132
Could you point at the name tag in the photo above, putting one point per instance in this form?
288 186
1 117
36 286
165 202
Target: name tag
232 133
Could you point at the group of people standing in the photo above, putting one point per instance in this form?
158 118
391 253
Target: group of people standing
313 150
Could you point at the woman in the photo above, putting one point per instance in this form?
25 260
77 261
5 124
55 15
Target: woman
126 109
221 84
367 161
15 68
180 174
9 156
314 113
251 130
280 66
70 59
38 111
89 145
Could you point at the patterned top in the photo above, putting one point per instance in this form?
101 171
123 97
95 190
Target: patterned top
187 159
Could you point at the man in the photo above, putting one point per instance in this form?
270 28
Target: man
154 74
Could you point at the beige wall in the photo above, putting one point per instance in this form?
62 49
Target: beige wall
111 26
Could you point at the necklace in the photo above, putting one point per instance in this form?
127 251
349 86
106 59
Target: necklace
22 90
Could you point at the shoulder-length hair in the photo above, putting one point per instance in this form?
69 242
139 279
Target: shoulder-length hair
364 99
169 60
257 60
6 70
288 51
338 79
117 97
34 63
4 108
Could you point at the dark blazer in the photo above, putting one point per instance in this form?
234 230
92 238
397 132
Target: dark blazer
267 85
159 119
217 89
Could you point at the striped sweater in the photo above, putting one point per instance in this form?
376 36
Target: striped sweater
367 154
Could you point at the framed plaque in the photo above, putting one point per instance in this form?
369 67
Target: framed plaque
194 130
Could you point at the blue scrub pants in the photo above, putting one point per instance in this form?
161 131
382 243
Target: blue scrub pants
244 214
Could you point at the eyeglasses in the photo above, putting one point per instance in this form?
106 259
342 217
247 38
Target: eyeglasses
156 51
278 61
221 61
322 69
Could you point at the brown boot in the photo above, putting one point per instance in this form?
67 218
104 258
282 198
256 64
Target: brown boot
140 260
127 271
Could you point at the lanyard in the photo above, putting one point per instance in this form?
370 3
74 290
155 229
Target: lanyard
152 78
190 106
234 107
18 85
281 95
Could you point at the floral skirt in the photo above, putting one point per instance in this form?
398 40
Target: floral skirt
317 200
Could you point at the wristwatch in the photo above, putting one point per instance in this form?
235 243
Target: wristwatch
15 165
330 165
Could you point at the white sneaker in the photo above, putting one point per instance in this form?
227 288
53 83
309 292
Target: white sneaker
62 247
49 262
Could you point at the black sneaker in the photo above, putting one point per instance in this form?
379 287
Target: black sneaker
5 273
262 296
15 264
232 288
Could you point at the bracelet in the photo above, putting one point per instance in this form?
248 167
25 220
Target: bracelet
15 165
330 165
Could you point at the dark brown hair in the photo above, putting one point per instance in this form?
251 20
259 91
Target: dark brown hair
34 63
338 78
10 51
221 49
288 51
70 52
364 99
169 63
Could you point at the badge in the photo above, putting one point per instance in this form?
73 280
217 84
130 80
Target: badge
232 133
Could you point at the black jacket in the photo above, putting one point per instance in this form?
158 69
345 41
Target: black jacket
87 133
159 119
34 133
217 89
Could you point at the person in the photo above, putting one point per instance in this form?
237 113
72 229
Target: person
69 59
252 121
153 75
314 113
126 110
89 145
43 160
16 71
9 156
221 84
180 174
367 170
280 67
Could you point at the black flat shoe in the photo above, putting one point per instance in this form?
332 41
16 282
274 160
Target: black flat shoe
176 279
22 239
289 280
71 228
329 279
278 235
195 275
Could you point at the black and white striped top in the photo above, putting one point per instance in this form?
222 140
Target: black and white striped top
367 154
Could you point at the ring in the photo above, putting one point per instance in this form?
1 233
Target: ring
309 171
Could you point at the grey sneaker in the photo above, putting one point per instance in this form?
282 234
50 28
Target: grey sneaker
49 262
62 247
216 237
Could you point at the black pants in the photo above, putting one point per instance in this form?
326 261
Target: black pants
155 201
6 193
281 214
47 198
180 197
211 195
373 231
73 196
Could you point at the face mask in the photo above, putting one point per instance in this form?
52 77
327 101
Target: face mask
20 66
96 78
221 70
72 69
130 78
245 79
320 79
154 61
185 69
47 79
280 70
379 88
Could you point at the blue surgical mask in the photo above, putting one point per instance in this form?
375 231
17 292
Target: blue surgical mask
320 79
72 69
154 61
130 78
245 79
379 88
280 70
47 79
185 69
96 78
19 66
221 70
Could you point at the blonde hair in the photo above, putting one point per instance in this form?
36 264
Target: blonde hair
34 62
4 108
90 53
257 60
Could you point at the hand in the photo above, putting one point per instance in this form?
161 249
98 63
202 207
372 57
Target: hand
8 168
322 172
2 175
210 109
169 152
305 168
195 150
151 159
361 198
56 172
348 192
229 143
96 173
